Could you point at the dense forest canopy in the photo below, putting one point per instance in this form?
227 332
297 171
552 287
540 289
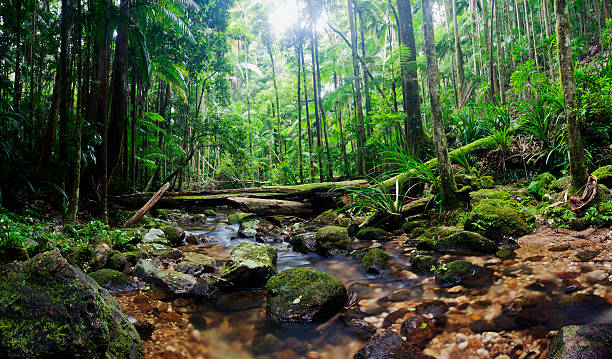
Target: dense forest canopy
104 97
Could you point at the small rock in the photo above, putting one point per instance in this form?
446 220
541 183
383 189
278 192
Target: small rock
383 345
418 330
587 255
373 234
360 329
375 260
100 256
560 247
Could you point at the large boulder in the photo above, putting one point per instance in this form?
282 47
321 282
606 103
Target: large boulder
156 235
592 341
146 269
331 239
304 295
250 265
495 219
50 309
466 241
239 217
176 282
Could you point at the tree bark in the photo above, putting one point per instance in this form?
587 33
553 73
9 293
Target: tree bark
500 56
357 83
413 125
458 53
447 180
566 67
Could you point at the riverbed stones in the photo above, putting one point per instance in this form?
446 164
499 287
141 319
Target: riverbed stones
466 241
49 308
155 235
303 295
146 269
303 242
375 260
331 240
250 265
100 256
423 264
496 218
113 280
360 329
418 330
204 262
592 341
373 234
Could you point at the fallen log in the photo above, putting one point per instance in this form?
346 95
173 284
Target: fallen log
262 206
147 207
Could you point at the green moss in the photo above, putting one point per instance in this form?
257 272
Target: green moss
304 294
344 222
111 278
210 213
490 194
175 235
495 218
485 182
422 264
466 241
372 234
603 174
239 217
431 236
504 253
161 213
332 237
250 265
374 260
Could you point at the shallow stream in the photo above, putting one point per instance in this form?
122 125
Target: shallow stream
529 295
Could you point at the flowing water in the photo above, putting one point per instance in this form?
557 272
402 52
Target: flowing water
528 296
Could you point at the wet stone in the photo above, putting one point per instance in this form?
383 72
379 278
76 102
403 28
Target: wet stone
587 255
360 329
383 345
418 330
560 247
436 308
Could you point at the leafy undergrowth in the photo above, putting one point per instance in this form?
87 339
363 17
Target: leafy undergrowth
23 236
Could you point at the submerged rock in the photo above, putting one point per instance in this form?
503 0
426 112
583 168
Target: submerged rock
208 286
304 242
331 239
495 218
423 264
50 309
464 273
375 260
592 341
466 241
383 345
418 330
373 234
250 265
303 295
113 280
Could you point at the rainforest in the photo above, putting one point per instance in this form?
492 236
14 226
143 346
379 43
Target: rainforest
322 179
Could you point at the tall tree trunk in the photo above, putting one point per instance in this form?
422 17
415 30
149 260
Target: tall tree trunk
413 125
566 67
75 171
447 180
17 84
118 94
65 109
308 126
485 22
474 51
366 80
458 53
322 118
48 142
248 100
315 91
299 106
447 20
500 56
278 119
357 83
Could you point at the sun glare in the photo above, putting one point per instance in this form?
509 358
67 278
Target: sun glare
283 15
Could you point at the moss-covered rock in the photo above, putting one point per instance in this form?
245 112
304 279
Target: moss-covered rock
100 256
175 235
411 224
462 272
239 217
331 239
494 219
303 295
504 253
250 265
303 242
422 263
80 256
592 341
50 309
462 179
155 235
375 260
146 269
373 234
429 238
486 182
177 282
159 250
161 213
202 259
113 280
210 213
604 175
344 222
466 242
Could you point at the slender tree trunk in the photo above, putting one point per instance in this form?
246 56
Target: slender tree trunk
75 171
474 50
343 144
500 56
485 22
65 109
322 118
366 80
566 67
316 101
278 119
48 143
308 126
357 83
458 53
17 84
447 180
447 20
413 124
299 106
248 100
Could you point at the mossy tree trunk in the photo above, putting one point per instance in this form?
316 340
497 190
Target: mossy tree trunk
566 67
448 186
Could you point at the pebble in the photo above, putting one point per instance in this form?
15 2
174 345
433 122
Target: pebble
483 352
462 345
490 337
596 276
461 337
